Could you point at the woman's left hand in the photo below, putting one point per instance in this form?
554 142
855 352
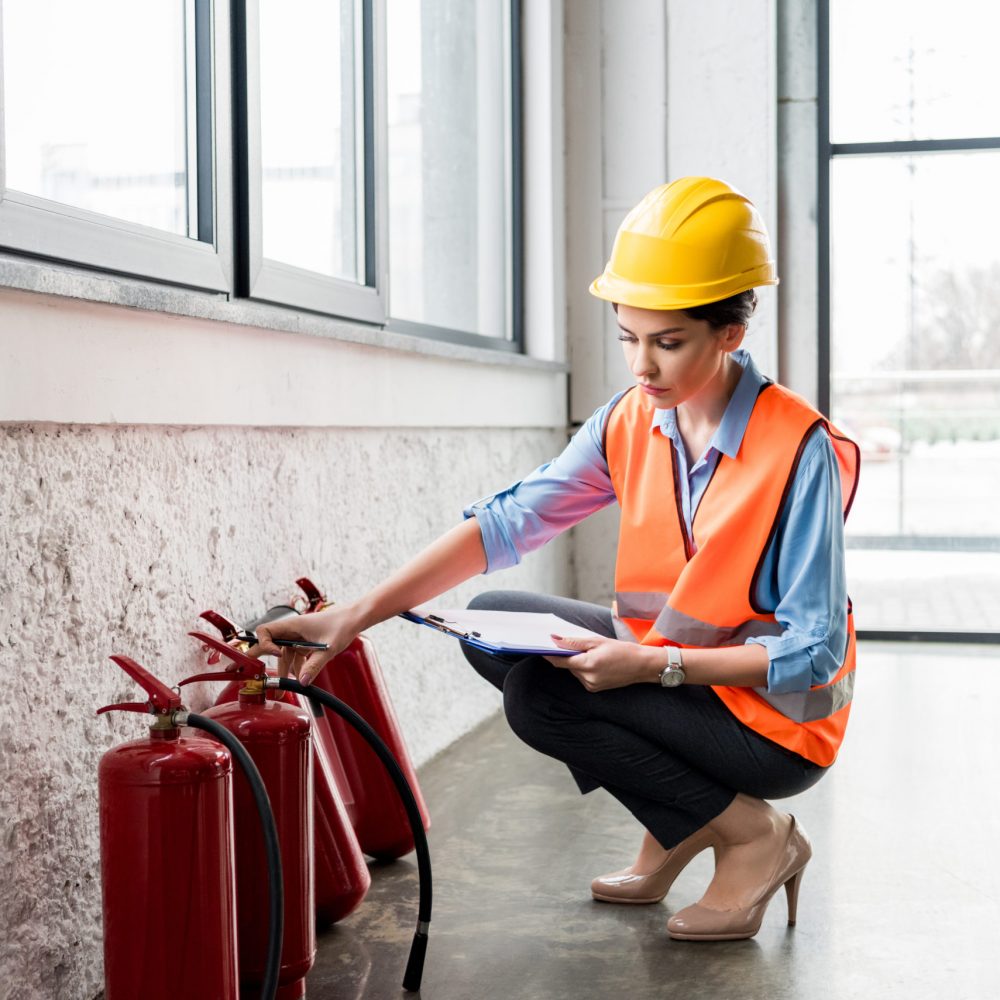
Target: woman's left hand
604 663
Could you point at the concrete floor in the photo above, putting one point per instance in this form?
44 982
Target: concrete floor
901 899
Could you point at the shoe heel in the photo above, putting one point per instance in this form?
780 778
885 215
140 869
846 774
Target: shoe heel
792 895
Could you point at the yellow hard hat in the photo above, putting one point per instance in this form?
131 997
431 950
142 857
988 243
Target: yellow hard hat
692 241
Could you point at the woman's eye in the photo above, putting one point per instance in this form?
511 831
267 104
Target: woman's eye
626 339
668 345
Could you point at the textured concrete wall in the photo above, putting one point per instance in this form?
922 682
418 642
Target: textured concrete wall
114 538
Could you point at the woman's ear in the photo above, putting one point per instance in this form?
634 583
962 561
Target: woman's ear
732 336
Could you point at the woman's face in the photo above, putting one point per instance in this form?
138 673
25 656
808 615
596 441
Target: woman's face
672 357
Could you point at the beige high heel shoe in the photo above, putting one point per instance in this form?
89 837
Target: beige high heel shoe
699 923
625 886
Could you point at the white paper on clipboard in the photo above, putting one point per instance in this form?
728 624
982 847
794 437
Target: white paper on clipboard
503 631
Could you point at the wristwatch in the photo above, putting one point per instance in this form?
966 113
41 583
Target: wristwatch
672 675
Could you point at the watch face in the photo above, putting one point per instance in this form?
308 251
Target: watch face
672 677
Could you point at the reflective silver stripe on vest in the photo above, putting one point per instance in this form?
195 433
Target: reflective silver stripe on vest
799 706
640 604
652 607
690 631
808 706
622 631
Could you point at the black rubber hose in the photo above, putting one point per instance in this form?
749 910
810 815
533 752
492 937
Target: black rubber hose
275 882
418 950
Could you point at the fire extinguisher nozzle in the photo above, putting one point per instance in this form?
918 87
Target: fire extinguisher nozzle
415 964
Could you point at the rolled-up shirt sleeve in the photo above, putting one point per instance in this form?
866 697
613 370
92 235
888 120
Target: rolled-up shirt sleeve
553 498
803 576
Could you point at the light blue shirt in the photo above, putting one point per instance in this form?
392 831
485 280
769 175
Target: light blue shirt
802 579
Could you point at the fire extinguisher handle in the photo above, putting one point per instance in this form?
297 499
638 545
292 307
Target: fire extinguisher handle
313 594
241 667
161 698
126 706
227 628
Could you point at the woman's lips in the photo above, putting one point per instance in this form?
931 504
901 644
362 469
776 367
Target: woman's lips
652 390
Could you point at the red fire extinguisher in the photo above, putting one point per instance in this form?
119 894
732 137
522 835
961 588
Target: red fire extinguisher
276 736
251 668
355 677
166 849
323 739
342 878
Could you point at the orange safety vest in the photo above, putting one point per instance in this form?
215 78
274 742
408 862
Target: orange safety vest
670 591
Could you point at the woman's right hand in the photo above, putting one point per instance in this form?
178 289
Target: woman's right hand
336 626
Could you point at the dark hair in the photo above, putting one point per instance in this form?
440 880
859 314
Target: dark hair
736 309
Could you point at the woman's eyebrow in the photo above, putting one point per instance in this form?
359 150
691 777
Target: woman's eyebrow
658 333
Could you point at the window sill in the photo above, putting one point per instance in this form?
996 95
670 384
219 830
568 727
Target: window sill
50 278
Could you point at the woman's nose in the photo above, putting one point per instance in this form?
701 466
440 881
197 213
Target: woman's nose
642 362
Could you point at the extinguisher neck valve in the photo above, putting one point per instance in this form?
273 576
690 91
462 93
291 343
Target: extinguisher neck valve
240 667
255 686
163 725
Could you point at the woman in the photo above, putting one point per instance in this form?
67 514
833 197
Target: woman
726 674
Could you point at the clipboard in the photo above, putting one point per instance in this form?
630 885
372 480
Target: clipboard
514 633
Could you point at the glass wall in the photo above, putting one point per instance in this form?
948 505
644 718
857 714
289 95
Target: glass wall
915 308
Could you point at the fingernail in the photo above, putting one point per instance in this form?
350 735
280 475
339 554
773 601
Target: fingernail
554 636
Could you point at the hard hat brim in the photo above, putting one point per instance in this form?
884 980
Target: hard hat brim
614 288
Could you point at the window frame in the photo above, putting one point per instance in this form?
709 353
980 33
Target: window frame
231 266
515 342
43 228
286 285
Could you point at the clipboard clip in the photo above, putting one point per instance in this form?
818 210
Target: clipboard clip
443 626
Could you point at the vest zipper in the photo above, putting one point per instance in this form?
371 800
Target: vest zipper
680 507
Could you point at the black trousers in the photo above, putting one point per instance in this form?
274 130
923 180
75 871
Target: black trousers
675 758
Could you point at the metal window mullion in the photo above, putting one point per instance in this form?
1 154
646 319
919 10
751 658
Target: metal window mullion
823 298
242 159
350 238
905 147
190 119
373 247
920 635
204 117
517 177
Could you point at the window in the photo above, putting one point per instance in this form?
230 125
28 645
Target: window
308 194
908 167
450 181
354 158
113 157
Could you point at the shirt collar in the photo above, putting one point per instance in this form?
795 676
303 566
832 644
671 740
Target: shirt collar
728 435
